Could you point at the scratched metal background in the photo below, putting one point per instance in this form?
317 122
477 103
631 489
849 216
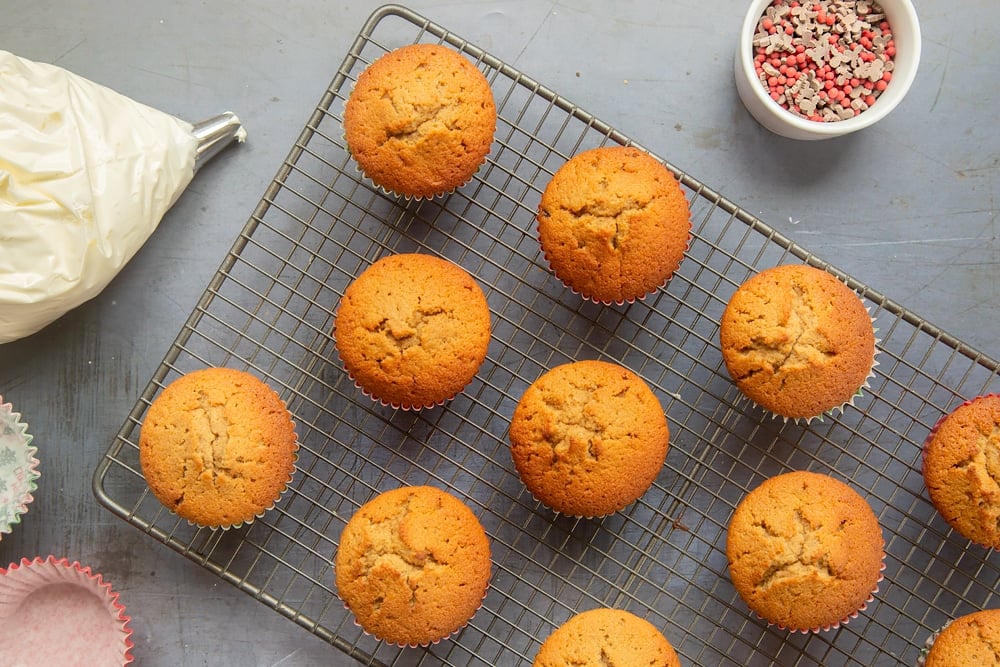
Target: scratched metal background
908 207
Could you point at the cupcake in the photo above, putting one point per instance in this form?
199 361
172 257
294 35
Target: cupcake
961 468
588 438
805 551
55 612
217 447
606 637
420 120
797 341
973 639
413 565
412 330
613 224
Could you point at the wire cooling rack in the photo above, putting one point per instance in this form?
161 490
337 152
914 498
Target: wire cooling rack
270 309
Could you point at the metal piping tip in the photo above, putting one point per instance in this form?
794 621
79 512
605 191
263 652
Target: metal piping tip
214 134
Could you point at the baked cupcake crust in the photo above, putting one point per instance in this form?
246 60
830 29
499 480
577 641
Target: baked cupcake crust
961 469
588 438
412 330
420 120
805 551
973 639
614 224
606 637
797 341
413 565
217 446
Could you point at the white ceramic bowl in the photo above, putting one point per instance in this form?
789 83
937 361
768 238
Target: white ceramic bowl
902 18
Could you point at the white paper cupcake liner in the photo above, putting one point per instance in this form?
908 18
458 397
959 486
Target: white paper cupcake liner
54 612
18 468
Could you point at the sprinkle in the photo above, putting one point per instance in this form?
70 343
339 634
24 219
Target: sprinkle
825 60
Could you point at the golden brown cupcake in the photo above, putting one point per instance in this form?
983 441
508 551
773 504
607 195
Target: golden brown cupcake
588 438
805 551
413 565
972 640
412 330
962 468
217 446
420 120
602 637
797 341
613 224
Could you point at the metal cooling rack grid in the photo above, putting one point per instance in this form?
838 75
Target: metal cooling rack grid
269 310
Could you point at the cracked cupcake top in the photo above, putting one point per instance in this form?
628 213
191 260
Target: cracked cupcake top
412 330
797 341
420 120
588 438
217 447
413 565
804 551
614 224
961 469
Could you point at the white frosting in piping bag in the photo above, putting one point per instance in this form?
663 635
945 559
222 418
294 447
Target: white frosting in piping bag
86 174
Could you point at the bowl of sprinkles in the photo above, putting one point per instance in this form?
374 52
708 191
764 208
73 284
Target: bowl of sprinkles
816 69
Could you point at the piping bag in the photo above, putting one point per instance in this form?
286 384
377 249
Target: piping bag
86 174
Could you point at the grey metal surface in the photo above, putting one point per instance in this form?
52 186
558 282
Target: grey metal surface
918 191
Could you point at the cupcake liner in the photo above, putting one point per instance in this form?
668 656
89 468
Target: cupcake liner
923 457
614 302
423 645
18 468
54 612
843 621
